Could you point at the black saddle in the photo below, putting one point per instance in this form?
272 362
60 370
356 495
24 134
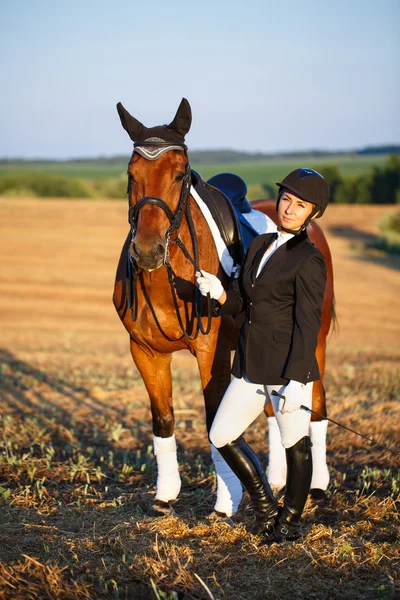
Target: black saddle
224 216
235 188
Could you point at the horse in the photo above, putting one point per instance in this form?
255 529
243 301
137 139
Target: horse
158 302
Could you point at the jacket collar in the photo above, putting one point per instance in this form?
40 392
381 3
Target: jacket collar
278 256
296 240
269 238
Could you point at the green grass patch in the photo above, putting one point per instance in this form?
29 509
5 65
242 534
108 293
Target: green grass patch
107 177
274 169
253 172
390 239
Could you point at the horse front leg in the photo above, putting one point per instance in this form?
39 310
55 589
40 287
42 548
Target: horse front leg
213 359
155 369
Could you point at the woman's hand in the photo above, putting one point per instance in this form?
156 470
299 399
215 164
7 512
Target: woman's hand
293 393
209 284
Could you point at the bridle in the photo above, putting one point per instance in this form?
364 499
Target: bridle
175 220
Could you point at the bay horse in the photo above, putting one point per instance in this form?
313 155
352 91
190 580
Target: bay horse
157 300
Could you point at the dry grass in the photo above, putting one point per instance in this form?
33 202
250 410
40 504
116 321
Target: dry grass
77 471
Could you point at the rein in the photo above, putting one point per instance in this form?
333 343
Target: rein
175 220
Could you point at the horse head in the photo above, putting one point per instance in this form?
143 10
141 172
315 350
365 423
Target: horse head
158 184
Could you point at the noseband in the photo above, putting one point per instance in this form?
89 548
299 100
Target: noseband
175 220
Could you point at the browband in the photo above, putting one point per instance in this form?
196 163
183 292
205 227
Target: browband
157 143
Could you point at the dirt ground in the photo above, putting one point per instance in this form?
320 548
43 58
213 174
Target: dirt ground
72 406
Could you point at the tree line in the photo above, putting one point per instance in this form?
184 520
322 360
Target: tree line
381 185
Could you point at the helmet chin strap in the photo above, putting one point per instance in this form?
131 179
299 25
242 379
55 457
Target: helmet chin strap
305 224
292 231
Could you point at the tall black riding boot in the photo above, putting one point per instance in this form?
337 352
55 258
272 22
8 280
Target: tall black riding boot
298 481
246 465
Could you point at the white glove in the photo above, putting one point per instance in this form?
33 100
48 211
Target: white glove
209 284
293 393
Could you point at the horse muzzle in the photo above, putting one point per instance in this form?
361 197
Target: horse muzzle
148 258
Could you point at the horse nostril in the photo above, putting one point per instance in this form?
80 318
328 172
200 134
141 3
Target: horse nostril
154 252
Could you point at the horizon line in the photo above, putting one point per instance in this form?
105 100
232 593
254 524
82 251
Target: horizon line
380 148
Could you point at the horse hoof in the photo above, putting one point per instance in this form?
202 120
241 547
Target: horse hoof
161 509
318 496
219 517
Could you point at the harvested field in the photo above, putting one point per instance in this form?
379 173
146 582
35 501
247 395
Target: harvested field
77 470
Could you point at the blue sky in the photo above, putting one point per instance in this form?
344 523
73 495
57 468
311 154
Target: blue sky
259 75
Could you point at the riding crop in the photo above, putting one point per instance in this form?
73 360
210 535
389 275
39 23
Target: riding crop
395 452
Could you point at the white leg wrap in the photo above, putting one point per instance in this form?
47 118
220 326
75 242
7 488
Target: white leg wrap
229 488
277 456
168 478
320 477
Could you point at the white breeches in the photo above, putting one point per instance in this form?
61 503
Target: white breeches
244 401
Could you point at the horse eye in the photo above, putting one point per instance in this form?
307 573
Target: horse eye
180 177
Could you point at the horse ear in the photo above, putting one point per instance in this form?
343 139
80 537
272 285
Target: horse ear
134 127
183 118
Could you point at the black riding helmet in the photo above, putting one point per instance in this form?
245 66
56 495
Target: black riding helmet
309 185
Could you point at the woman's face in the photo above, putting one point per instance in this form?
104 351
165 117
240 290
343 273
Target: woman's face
293 211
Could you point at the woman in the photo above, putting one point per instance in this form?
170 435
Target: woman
281 289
